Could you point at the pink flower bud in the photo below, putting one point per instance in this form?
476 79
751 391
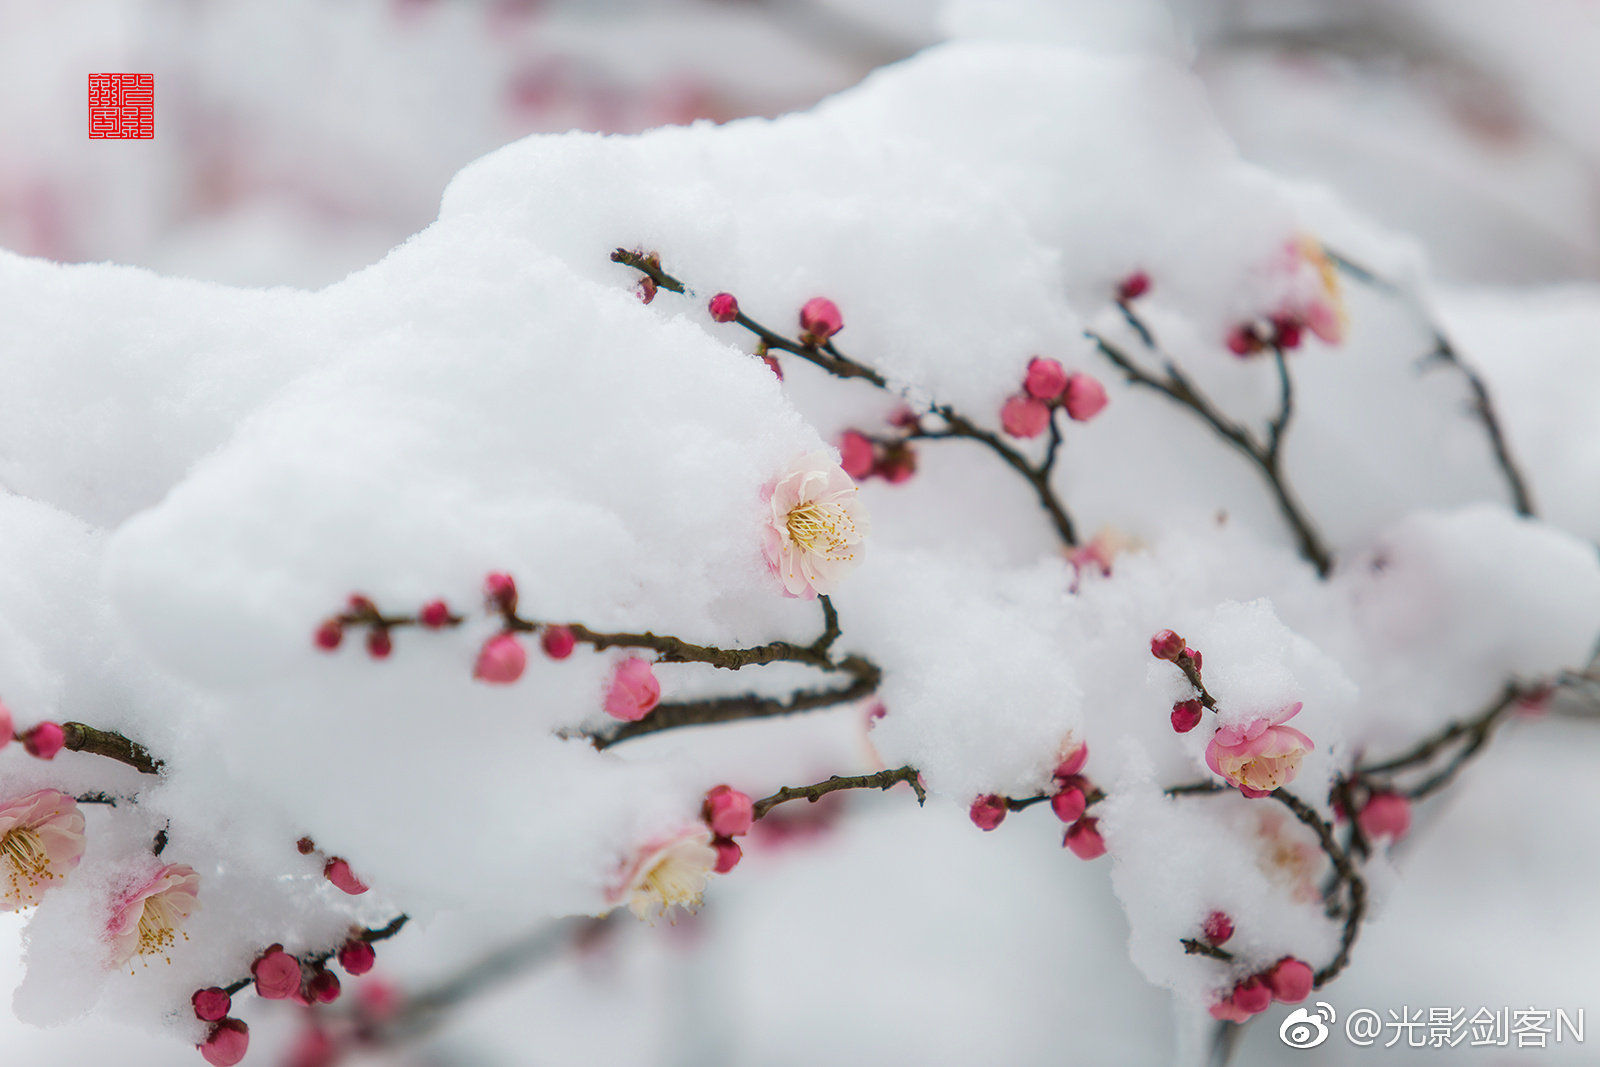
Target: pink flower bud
339 873
435 615
44 740
898 464
1260 756
1072 763
379 643
1166 645
728 854
646 289
329 634
323 987
1252 995
988 811
1385 815
1046 378
1199 660
357 957
1286 332
1024 416
1186 715
500 592
1133 287
558 641
211 1004
1085 398
1217 928
501 661
314 1047
728 812
1242 341
1083 838
6 726
634 691
226 1044
277 974
724 307
1290 980
855 454
773 365
820 319
1069 804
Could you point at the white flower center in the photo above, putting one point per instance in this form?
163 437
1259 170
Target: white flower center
822 529
27 861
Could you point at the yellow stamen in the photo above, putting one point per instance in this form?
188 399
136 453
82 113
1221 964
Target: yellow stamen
28 863
822 529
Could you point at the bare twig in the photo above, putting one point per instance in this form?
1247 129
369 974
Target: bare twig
814 793
78 737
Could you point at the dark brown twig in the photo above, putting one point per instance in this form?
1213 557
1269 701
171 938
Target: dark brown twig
1195 947
814 793
78 737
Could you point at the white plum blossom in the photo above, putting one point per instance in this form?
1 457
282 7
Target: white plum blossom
816 527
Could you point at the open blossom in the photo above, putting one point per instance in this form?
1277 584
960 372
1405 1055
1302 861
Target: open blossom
41 839
667 873
1260 756
816 526
149 919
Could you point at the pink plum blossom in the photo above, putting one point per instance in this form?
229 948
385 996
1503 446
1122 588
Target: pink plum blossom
1186 715
634 691
815 527
211 1004
728 853
501 661
1024 416
148 920
1083 838
1046 378
226 1044
855 454
728 812
1084 399
668 872
1260 756
1070 802
1385 815
276 974
1072 761
41 840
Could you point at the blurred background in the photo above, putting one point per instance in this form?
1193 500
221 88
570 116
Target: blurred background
298 140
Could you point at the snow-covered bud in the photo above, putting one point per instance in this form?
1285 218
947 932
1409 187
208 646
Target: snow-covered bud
558 641
728 854
728 812
276 974
724 307
1133 287
501 661
1290 980
226 1044
634 691
1385 815
1069 803
898 464
1166 645
855 454
357 957
379 643
1252 996
435 614
500 592
329 634
44 740
323 987
1260 756
1046 378
212 1004
1083 838
820 320
988 811
1186 715
1217 928
1072 763
1024 416
339 873
1085 397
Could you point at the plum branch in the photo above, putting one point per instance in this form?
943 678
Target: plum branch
79 737
826 355
813 793
1266 454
